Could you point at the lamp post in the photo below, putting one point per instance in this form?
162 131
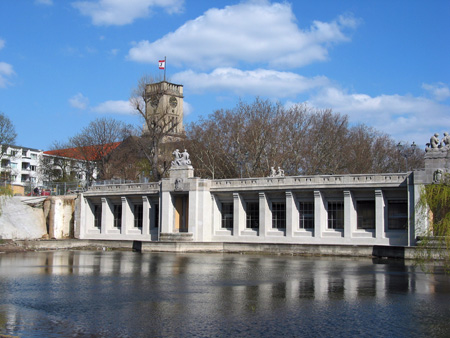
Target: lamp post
405 152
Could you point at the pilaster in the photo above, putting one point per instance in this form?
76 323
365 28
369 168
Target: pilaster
292 216
350 217
239 214
146 212
380 214
320 214
265 215
107 216
127 215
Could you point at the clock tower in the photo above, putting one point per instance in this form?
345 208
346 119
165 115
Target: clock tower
164 105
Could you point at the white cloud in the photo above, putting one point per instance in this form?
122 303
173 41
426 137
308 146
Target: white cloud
123 12
187 108
2 43
405 117
250 32
6 71
440 91
114 107
44 2
251 82
79 101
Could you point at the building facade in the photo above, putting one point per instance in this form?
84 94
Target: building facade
363 209
20 167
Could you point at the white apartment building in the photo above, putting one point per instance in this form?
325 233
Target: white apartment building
19 166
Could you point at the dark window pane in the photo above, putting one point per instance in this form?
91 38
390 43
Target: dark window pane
253 215
117 212
366 214
138 211
306 211
397 215
335 215
279 215
227 215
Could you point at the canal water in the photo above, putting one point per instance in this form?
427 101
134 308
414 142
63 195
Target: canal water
126 294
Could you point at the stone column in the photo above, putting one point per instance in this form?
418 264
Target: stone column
238 214
350 217
167 213
146 212
127 215
320 214
292 216
380 217
265 215
216 213
88 222
107 216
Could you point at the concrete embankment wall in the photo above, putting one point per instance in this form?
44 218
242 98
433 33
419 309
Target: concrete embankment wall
37 217
248 248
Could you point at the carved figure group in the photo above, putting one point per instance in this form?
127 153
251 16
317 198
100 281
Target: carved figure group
180 158
276 173
436 144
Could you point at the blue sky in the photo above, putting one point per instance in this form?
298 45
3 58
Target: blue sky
384 63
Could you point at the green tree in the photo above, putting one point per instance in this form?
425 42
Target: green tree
434 244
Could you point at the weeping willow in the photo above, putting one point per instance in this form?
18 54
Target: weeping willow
434 245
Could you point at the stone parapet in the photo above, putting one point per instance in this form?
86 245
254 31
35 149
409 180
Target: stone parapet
124 189
316 182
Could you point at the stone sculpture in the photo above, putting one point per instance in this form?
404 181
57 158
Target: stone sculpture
180 159
436 145
445 140
434 141
276 173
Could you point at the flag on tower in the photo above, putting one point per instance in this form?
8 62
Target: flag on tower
162 64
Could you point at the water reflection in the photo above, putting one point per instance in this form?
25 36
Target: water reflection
104 294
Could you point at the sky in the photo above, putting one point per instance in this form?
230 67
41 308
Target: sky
383 63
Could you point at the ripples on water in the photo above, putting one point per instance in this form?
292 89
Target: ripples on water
125 294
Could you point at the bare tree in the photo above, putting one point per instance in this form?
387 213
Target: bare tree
96 142
7 137
59 165
250 138
158 130
7 132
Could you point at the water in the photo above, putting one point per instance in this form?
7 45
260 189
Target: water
126 294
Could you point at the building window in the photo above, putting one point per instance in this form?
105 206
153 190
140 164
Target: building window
397 215
138 215
34 156
117 212
253 215
335 215
13 165
366 214
13 178
13 152
278 215
156 215
98 216
306 210
32 167
25 166
227 215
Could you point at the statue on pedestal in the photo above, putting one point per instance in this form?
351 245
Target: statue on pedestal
180 159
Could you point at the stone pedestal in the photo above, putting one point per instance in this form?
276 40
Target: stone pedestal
182 171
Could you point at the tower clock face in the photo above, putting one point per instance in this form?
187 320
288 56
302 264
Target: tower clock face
173 101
